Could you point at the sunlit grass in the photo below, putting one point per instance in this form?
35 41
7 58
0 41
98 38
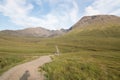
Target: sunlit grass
86 55
84 65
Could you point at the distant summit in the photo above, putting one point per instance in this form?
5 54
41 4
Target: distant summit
97 20
33 32
86 23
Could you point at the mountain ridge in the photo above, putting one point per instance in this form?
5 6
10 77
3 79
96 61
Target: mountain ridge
34 32
85 23
97 20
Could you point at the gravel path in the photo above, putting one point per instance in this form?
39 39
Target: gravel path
26 71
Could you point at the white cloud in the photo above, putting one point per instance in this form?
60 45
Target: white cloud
103 7
62 13
117 12
91 11
16 10
16 7
74 12
19 13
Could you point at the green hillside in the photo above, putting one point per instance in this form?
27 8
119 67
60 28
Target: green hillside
96 39
16 50
86 58
90 52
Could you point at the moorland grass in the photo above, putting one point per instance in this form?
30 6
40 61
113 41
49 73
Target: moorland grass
9 61
84 65
86 55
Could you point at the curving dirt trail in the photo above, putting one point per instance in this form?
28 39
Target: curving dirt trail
26 71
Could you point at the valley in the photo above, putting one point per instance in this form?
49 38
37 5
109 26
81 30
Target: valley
89 50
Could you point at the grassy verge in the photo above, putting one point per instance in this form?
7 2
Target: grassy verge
8 61
14 51
84 65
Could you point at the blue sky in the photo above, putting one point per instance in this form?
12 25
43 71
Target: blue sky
51 14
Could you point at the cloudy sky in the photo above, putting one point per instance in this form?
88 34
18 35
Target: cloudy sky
51 14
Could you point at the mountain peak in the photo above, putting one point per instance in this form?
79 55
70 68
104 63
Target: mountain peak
34 32
100 17
96 19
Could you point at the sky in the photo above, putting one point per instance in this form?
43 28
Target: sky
52 14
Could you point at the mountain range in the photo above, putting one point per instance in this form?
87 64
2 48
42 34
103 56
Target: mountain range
88 50
86 22
34 32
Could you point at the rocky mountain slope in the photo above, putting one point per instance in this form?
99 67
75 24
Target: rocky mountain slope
34 32
87 23
96 21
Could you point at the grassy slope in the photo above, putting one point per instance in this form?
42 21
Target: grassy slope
84 65
94 40
16 50
92 55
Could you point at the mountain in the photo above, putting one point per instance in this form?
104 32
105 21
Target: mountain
99 32
97 21
34 32
91 48
85 26
98 25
